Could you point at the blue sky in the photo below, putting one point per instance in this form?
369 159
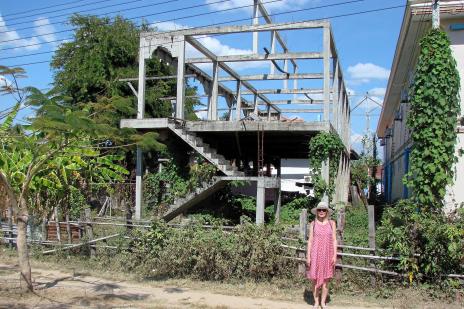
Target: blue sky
365 42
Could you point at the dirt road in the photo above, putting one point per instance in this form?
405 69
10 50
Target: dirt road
58 289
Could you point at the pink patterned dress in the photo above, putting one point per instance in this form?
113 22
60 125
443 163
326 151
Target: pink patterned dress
322 252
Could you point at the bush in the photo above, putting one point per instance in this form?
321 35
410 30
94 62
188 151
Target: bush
429 245
252 251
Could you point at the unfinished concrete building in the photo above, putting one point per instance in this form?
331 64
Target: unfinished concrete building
256 132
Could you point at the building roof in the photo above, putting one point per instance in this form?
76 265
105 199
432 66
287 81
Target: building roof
416 21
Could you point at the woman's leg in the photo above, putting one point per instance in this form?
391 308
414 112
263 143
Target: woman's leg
316 294
325 292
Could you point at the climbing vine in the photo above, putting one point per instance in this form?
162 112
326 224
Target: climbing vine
433 119
324 146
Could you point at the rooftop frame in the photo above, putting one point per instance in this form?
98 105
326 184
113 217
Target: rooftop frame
332 98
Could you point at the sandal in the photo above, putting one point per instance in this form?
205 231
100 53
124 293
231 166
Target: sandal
324 306
316 307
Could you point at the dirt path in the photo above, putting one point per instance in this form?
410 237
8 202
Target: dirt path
58 289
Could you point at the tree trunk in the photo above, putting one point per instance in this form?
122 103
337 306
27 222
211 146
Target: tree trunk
21 243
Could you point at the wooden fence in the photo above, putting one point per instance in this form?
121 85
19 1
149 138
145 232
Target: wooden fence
74 234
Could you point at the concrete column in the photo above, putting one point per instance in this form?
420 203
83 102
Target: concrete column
277 204
138 185
295 81
238 109
336 101
436 14
141 86
255 104
326 58
255 22
286 70
180 79
260 201
326 177
213 113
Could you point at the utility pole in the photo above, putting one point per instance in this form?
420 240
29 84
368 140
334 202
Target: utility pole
436 14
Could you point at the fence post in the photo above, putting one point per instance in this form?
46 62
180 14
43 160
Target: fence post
10 226
371 220
44 229
89 231
57 225
68 228
340 229
303 235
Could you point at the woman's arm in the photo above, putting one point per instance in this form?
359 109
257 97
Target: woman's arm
310 242
334 236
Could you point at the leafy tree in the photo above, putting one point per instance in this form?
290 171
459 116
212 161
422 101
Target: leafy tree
87 72
40 155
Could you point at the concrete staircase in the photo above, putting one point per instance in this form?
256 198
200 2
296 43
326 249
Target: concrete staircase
183 203
209 153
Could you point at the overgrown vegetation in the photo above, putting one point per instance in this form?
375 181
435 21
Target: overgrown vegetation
433 119
430 245
429 242
250 252
324 146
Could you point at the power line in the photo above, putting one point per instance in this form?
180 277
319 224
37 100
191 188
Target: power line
243 19
166 20
44 8
127 9
91 9
288 12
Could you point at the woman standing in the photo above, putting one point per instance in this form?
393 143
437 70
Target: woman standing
321 253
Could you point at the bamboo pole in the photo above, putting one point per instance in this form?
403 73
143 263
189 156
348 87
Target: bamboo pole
81 244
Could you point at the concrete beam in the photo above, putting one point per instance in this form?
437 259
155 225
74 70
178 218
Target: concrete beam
146 123
212 57
252 126
292 101
274 77
309 24
287 91
259 57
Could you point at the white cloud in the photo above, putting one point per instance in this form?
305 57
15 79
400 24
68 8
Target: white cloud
271 5
350 91
379 92
44 30
214 45
202 114
366 72
11 38
168 26
356 141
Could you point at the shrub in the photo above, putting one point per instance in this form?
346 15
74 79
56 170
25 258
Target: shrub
429 245
252 251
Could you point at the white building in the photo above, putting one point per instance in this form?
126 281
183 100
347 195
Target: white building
294 173
392 127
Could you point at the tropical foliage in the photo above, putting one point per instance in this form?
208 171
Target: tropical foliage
433 119
324 146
